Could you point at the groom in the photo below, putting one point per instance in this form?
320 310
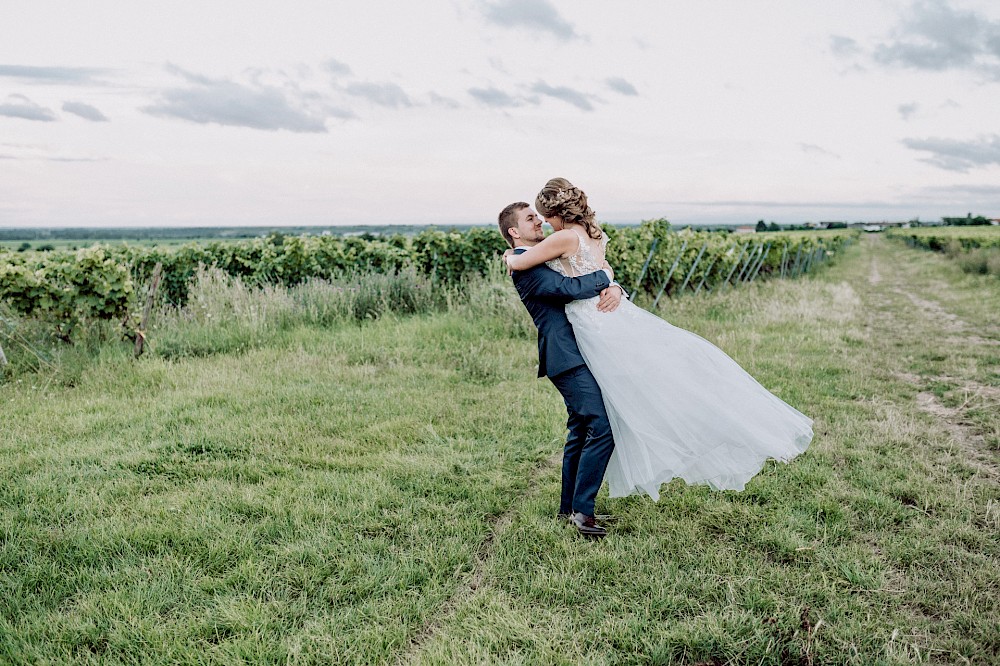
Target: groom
545 293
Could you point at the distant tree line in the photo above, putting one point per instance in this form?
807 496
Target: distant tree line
44 247
773 226
967 221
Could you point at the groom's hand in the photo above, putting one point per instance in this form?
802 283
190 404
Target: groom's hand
610 299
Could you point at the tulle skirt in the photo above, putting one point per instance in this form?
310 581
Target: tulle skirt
679 406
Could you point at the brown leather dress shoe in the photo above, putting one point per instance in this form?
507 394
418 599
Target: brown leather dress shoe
586 526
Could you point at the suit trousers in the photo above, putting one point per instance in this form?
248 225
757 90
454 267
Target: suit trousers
589 443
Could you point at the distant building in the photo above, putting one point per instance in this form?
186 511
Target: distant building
745 229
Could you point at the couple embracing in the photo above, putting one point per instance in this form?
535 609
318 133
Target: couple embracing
647 401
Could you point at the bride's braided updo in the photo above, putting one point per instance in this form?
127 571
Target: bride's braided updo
560 198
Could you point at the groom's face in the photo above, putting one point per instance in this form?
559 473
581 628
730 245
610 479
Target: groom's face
529 227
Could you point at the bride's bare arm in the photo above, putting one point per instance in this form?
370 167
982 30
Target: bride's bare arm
555 245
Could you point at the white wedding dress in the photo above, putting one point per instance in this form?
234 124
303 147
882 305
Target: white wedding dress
679 406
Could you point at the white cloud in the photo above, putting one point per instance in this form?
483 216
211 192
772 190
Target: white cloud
224 102
388 95
620 85
64 75
336 67
538 15
495 98
956 155
574 97
934 36
19 106
442 100
907 110
844 46
85 111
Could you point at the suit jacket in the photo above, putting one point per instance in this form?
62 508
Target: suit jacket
545 294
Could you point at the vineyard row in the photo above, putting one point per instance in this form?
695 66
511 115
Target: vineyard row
946 238
102 281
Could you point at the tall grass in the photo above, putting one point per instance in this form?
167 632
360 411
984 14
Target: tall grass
982 261
223 314
976 260
226 315
37 354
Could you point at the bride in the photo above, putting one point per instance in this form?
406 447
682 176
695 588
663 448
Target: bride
679 406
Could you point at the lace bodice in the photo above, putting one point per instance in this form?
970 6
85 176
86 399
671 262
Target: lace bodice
581 262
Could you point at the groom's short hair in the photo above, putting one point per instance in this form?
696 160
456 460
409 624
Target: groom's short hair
508 220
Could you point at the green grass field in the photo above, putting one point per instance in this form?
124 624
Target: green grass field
384 493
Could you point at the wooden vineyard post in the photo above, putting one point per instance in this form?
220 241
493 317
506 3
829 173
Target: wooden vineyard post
795 264
705 276
784 254
3 357
736 263
140 335
642 273
745 275
670 273
760 262
809 260
693 266
750 259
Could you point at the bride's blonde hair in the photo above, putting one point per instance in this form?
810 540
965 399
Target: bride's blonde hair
560 197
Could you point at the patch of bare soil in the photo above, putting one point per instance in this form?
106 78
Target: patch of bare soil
874 277
952 420
974 339
948 321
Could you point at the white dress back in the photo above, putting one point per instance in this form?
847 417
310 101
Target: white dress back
585 260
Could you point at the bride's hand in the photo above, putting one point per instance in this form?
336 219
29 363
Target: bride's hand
506 254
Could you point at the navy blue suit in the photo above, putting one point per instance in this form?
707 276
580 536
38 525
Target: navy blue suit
590 442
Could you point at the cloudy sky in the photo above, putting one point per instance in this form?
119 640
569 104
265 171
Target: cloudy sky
444 111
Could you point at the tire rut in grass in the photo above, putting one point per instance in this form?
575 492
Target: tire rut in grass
951 419
954 329
484 555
